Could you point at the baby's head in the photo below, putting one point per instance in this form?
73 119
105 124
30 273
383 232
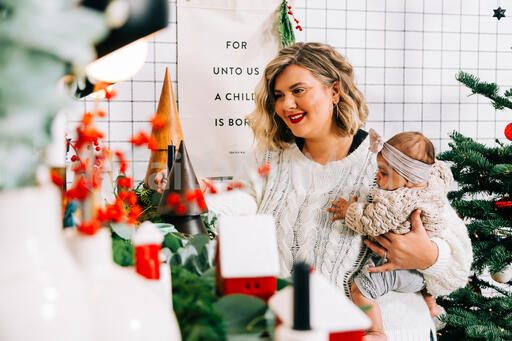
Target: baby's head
405 161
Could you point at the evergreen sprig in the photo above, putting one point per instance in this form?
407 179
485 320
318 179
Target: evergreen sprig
285 27
489 90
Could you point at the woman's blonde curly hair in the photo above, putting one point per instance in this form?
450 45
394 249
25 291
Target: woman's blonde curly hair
328 66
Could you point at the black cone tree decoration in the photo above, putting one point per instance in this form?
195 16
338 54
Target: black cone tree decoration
182 202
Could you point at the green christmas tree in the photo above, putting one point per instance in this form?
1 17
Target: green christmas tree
483 309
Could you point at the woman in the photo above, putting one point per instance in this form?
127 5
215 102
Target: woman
307 125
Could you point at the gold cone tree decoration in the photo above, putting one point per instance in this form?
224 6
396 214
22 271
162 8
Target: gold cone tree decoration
168 135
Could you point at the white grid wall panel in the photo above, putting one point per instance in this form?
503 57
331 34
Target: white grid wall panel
405 55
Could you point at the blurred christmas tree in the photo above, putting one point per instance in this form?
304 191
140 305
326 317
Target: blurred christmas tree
483 309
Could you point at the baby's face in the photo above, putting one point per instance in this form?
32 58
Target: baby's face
387 178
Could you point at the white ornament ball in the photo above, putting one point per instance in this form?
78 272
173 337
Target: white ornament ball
504 275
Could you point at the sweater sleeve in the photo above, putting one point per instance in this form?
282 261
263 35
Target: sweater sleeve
452 268
373 219
241 201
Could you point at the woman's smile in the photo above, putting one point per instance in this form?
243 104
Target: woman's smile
296 118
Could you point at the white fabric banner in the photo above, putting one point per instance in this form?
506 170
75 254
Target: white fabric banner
223 47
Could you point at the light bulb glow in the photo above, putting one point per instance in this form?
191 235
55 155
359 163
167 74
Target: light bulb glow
119 65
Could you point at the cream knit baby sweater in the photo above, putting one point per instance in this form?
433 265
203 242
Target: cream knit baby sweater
297 192
391 210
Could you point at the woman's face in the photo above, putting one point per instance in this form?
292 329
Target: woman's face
304 103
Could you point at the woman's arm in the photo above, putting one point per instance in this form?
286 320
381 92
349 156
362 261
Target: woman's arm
445 261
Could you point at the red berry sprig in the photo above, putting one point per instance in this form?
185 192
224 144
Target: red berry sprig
290 12
234 185
180 204
209 186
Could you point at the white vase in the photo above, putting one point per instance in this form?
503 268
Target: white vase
126 306
41 288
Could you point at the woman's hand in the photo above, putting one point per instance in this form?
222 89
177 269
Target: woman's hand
412 250
341 207
161 180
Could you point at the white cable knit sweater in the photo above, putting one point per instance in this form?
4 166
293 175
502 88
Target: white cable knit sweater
297 193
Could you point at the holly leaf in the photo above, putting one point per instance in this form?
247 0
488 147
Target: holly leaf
242 313
283 283
166 228
122 230
183 255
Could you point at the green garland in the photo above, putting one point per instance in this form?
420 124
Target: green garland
285 26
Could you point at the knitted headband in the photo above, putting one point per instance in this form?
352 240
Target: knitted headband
412 170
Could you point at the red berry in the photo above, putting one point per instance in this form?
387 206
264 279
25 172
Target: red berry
132 198
264 169
181 209
74 158
98 149
190 196
173 199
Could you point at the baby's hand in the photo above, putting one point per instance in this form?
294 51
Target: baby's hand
341 207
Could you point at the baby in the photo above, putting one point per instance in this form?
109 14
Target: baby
408 178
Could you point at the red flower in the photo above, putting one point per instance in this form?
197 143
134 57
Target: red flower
79 191
264 169
190 195
234 184
201 203
181 209
158 122
56 179
90 227
132 198
199 193
135 212
109 94
210 187
125 182
140 139
173 199
122 194
116 211
124 164
124 167
152 144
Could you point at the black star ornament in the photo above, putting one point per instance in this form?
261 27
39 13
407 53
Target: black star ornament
499 13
